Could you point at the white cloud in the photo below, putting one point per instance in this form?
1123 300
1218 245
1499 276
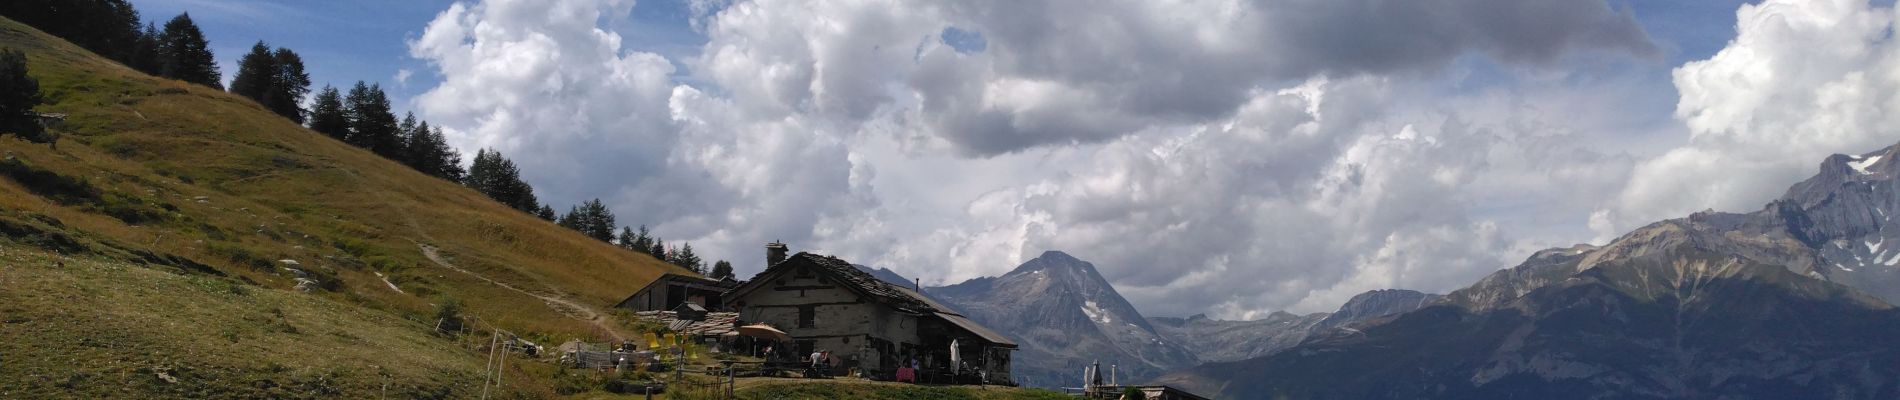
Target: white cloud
1801 80
1208 155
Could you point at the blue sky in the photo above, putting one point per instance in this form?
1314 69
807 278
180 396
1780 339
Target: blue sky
344 41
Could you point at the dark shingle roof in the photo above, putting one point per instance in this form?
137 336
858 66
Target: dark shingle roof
864 283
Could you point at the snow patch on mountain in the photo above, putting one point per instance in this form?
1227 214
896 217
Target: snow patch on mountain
1861 164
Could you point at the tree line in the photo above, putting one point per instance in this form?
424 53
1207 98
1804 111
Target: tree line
592 218
112 28
275 79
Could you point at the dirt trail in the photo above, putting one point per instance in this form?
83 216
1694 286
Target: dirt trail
565 306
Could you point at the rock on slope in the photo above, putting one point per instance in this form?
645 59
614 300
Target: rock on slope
1716 305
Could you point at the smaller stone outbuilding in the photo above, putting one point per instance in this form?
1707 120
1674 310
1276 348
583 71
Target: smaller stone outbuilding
671 291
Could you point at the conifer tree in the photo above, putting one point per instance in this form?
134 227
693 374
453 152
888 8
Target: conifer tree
328 117
109 28
626 238
372 125
184 55
686 259
571 220
288 86
19 93
659 250
642 241
255 72
721 270
417 152
144 54
447 163
597 221
496 176
275 79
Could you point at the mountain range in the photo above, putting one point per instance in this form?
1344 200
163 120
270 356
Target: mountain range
1065 315
1789 301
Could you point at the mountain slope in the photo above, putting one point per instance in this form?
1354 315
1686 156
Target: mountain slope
1214 340
160 174
1716 305
1065 316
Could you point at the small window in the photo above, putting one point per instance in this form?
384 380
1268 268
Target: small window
803 273
807 316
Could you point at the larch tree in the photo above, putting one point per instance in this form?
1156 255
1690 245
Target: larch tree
372 125
288 86
19 93
327 115
496 176
255 72
185 55
687 259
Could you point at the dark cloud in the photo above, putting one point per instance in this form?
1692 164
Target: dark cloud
1147 63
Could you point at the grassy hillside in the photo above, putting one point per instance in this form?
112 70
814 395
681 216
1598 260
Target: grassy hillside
173 206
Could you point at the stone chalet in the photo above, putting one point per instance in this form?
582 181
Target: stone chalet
871 325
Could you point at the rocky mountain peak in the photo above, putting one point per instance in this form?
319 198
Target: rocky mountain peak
1841 169
1056 260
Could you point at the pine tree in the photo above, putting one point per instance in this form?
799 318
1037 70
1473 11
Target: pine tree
328 117
18 94
721 270
415 149
496 176
447 162
255 72
643 241
275 79
184 55
372 125
691 262
659 250
404 136
144 54
597 221
572 220
288 86
626 238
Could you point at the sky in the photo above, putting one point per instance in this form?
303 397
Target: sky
1227 157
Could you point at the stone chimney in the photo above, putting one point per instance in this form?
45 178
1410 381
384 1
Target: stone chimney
774 253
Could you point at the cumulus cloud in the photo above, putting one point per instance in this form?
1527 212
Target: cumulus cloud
540 81
1225 156
1801 80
